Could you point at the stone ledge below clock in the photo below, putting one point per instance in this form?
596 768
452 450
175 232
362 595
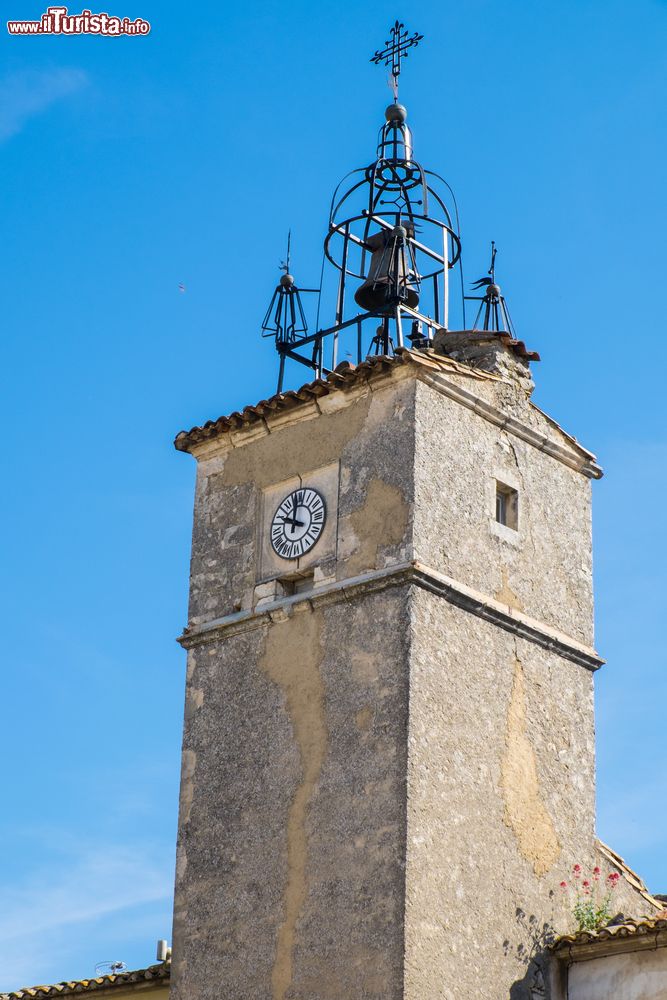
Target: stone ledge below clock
415 573
270 591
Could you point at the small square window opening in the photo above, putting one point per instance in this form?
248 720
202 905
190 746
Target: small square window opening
297 584
304 583
507 506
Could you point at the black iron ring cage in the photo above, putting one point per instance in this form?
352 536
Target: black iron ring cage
393 239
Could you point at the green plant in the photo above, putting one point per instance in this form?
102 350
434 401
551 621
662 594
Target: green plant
590 897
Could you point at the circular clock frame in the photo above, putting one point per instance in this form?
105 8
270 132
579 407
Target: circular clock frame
298 523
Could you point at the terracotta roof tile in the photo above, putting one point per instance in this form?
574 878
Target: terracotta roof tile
347 376
517 347
627 929
154 972
344 377
630 876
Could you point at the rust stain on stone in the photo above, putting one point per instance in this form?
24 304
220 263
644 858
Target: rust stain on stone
363 718
194 699
506 595
291 659
525 812
189 763
289 451
381 521
364 667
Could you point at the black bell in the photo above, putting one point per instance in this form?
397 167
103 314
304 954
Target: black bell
391 274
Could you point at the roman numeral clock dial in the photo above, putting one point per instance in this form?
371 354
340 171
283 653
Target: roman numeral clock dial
298 523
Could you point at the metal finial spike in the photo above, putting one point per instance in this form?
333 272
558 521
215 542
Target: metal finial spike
285 319
285 264
394 49
492 269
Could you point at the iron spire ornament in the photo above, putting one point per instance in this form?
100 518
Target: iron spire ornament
493 310
395 48
392 241
285 319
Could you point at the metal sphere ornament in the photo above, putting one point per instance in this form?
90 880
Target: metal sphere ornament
396 113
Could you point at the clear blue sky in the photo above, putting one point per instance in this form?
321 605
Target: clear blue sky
131 165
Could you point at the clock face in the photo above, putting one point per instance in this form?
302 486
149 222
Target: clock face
298 523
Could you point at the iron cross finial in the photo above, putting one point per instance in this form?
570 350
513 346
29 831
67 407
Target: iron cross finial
394 49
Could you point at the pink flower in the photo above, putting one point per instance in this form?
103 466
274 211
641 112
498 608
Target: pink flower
596 873
585 883
576 871
563 885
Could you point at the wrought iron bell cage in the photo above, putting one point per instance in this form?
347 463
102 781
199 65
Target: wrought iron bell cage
391 229
392 243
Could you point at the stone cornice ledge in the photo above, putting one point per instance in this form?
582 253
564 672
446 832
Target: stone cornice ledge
649 940
576 458
415 573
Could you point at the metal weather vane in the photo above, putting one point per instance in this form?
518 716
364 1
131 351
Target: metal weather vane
285 319
493 312
285 264
394 49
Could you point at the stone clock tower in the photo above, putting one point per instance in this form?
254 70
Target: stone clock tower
388 744
388 755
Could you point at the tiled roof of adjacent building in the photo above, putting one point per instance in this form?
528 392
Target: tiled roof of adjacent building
156 973
627 929
630 876
639 930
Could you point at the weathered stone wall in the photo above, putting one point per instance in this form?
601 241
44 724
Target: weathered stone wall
500 801
290 872
372 436
544 568
298 800
637 975
290 877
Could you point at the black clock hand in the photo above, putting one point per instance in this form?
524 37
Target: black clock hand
292 521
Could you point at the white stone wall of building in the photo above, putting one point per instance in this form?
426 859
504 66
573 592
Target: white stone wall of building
637 975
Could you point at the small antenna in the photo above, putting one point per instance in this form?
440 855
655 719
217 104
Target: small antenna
109 968
163 953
